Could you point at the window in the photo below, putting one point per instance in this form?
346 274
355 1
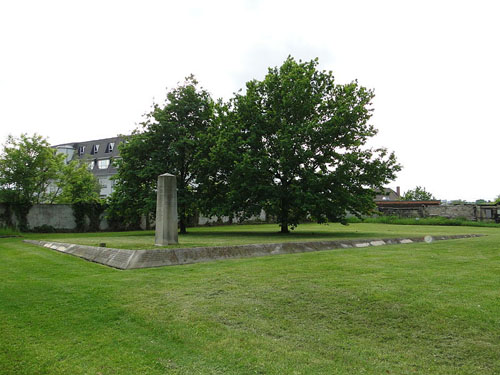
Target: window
91 165
81 150
103 164
110 147
95 149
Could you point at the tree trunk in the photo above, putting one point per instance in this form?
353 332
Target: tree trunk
284 227
284 216
182 225
182 207
183 220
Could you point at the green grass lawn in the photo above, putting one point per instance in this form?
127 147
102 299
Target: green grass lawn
400 309
261 233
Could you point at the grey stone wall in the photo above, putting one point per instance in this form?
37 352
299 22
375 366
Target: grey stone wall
202 220
402 212
467 211
459 211
60 216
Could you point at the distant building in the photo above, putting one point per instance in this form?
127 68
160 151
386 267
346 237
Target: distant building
99 155
387 194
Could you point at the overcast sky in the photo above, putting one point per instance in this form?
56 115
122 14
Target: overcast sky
82 70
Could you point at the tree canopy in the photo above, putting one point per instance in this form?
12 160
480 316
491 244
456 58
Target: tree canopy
28 166
134 194
77 184
293 145
167 141
32 172
418 194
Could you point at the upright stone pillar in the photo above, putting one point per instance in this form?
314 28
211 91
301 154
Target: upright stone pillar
166 210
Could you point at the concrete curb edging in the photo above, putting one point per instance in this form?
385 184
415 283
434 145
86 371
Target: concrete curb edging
130 259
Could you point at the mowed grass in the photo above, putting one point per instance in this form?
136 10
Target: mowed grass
252 234
401 309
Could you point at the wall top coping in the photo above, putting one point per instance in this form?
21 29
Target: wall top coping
130 259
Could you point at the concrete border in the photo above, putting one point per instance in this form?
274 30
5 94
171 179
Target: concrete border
130 259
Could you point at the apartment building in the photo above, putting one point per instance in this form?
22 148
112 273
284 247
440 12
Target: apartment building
99 155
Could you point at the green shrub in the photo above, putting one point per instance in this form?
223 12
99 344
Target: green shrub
423 221
8 231
92 210
44 229
354 220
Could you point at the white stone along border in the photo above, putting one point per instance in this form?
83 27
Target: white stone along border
130 259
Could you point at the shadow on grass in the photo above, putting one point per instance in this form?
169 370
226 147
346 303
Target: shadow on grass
279 235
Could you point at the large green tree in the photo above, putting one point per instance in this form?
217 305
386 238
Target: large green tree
32 172
28 167
216 157
167 141
76 184
80 188
134 194
418 194
294 144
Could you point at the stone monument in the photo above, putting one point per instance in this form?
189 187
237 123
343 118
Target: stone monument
166 210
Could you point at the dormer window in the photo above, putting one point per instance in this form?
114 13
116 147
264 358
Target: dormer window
95 149
81 150
110 147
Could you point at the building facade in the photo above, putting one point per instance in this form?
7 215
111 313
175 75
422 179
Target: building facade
387 194
100 156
